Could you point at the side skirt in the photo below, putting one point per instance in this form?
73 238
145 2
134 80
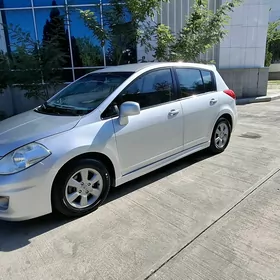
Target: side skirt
151 167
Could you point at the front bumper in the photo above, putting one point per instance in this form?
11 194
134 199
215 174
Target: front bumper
29 193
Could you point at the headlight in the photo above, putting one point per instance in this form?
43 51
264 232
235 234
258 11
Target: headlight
23 158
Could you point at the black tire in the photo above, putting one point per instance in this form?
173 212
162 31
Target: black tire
213 147
60 204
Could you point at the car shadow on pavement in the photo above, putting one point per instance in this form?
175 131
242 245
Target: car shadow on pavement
15 235
156 175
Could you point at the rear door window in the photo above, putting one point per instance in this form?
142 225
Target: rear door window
195 81
190 81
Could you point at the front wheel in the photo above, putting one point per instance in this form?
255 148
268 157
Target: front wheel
220 136
80 188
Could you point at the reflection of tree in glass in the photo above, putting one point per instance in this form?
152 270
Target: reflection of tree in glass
90 54
122 35
36 67
55 28
208 86
165 88
198 87
165 85
4 70
195 88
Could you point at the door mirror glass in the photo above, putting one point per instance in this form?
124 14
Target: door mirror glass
127 109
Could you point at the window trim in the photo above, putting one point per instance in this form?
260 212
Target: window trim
174 88
180 97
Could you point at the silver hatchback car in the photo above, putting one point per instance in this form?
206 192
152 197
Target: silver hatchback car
107 128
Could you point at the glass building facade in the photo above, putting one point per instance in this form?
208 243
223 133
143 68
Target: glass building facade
84 50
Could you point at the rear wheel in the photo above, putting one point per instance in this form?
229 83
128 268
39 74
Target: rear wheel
220 136
80 188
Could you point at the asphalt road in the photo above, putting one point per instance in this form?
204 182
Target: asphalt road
200 218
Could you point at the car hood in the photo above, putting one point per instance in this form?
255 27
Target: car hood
31 126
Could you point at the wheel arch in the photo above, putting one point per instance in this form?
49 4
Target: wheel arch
227 114
91 155
228 117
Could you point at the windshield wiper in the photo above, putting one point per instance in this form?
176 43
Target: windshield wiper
59 110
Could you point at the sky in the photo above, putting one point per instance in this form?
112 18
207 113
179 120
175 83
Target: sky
24 18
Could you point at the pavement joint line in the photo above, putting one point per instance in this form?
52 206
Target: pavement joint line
246 194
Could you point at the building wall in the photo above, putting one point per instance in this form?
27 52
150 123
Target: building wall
240 56
13 101
86 52
274 13
174 15
244 47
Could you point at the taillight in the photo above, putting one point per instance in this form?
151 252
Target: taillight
230 93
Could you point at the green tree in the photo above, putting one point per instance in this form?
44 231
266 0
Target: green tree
272 43
120 34
203 29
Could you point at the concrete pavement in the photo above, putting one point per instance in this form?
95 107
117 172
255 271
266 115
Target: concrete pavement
200 218
244 244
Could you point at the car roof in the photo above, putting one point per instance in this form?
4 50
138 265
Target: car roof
135 67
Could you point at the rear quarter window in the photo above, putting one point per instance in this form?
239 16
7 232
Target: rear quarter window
208 80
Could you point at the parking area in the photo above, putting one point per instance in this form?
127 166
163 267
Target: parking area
202 217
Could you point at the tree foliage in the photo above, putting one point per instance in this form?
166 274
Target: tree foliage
121 33
90 54
121 44
202 30
272 43
4 71
35 67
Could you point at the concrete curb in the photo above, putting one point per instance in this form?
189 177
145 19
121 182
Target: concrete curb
250 100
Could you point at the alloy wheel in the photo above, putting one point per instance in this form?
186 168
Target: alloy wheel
84 188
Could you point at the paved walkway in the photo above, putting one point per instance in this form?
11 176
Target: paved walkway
184 221
243 244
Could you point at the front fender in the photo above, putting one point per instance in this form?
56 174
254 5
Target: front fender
97 137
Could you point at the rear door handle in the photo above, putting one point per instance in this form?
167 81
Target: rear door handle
173 112
213 101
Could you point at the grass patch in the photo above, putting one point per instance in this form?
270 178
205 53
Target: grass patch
276 82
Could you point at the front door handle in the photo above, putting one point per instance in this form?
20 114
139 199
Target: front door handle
173 112
213 101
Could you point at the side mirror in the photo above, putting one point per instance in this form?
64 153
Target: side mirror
127 109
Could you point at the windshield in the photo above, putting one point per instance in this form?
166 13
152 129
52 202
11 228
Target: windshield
86 94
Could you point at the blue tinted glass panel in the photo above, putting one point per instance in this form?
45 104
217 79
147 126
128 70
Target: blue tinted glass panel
15 3
82 2
87 50
51 27
47 17
21 18
121 46
66 75
38 3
